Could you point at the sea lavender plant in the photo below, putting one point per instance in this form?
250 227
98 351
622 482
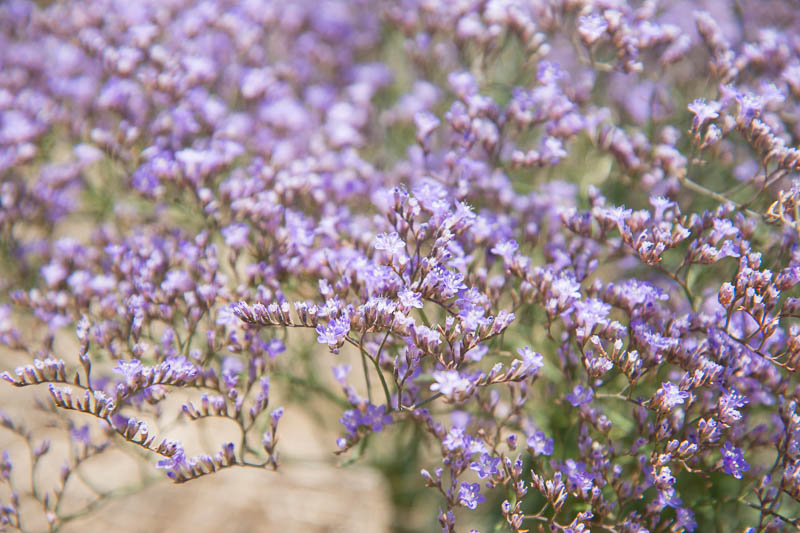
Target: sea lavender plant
549 250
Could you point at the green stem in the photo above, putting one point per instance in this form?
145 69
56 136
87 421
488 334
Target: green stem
426 400
377 366
366 371
424 318
696 187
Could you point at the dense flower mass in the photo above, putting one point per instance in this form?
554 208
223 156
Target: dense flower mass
550 250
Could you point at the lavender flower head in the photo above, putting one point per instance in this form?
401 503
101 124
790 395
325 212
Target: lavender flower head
580 395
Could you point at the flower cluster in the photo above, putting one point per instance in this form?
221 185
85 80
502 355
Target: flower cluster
560 239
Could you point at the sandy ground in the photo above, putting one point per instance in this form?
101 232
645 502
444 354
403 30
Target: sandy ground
309 492
308 498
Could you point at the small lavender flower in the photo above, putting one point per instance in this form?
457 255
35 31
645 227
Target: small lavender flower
275 347
130 370
409 299
670 396
80 435
376 417
275 416
552 151
565 291
231 367
578 478
591 27
426 123
236 235
703 112
175 462
456 439
391 243
685 519
580 396
532 361
5 466
733 462
469 495
333 333
486 466
750 106
591 312
506 250
340 373
540 444
450 383
729 404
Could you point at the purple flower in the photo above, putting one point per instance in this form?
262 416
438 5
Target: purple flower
236 235
486 466
53 273
469 495
472 316
375 417
426 122
275 416
540 444
275 347
264 393
80 434
552 151
350 420
444 282
282 173
729 404
750 106
450 383
506 250
231 367
175 462
565 290
177 281
591 312
667 497
333 333
660 206
709 430
669 396
655 343
728 249
462 83
5 319
477 353
733 462
591 27
578 478
5 466
130 370
684 518
664 478
456 439
391 243
340 374
178 367
580 396
409 299
532 361
703 112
